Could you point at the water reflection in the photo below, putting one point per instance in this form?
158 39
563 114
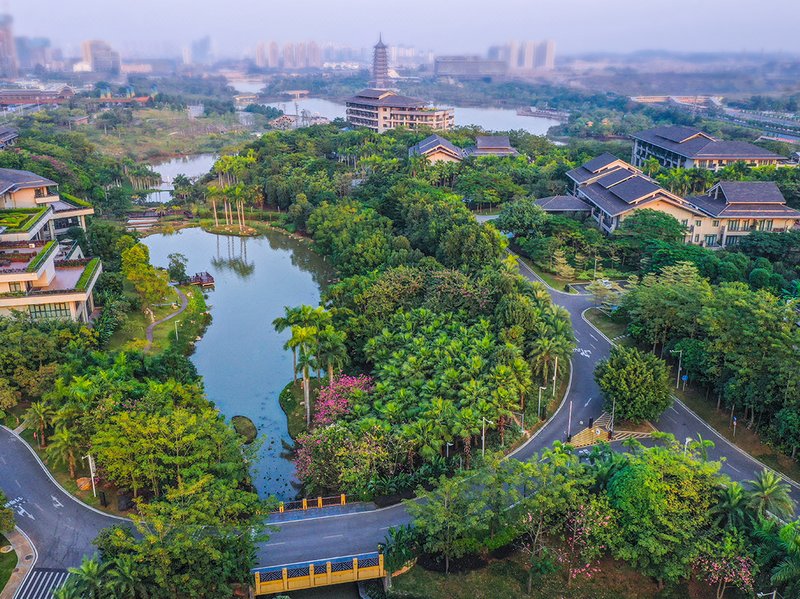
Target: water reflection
241 357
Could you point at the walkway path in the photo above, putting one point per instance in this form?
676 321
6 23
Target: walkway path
26 558
149 331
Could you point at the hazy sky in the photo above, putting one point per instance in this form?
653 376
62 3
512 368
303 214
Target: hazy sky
441 25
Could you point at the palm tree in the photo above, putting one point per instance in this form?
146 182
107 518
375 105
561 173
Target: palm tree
63 446
543 352
305 338
68 591
732 509
331 350
291 317
40 415
89 579
780 554
124 581
768 494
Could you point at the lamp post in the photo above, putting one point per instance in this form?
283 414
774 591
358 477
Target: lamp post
680 361
686 444
594 278
91 471
447 446
176 330
483 435
569 423
539 409
555 374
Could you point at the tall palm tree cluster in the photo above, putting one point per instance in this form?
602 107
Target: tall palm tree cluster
315 344
230 188
117 579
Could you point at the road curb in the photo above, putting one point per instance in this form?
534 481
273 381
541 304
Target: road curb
733 446
57 484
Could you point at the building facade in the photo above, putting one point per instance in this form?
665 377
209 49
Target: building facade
615 189
9 66
381 110
100 57
41 272
688 147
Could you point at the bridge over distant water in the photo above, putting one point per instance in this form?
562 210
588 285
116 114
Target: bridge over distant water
319 573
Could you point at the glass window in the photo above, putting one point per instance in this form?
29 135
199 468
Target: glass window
710 240
715 223
49 311
698 223
697 238
16 286
733 225
768 225
685 222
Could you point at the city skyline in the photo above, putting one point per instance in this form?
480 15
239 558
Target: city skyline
572 24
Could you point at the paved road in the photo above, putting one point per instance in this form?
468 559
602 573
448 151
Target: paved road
63 533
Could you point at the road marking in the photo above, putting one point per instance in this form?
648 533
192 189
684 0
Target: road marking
674 410
56 502
333 537
734 468
671 418
588 401
274 544
385 528
593 337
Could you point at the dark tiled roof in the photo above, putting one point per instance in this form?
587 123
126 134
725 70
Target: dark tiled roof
709 205
609 202
597 164
484 142
12 180
748 192
377 97
563 204
615 176
433 141
634 188
693 143
759 211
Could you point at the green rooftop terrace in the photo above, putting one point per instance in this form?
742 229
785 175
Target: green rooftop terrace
19 220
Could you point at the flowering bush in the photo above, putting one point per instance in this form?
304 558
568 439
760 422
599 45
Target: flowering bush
334 401
587 532
726 562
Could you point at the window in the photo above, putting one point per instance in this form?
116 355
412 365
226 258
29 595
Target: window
732 240
15 287
698 223
733 225
697 238
49 311
710 240
685 222
715 223
768 225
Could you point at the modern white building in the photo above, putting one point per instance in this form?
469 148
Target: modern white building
40 274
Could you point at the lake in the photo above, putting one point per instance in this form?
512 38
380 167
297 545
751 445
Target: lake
491 119
241 357
193 166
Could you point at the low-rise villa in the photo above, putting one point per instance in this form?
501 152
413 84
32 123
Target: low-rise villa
40 274
614 189
437 149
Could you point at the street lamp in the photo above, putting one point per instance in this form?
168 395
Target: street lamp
773 594
483 435
92 471
447 447
555 374
539 409
680 360
594 278
686 444
569 423
176 330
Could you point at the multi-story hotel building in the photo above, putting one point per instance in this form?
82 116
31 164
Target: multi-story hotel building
40 274
381 110
614 189
688 147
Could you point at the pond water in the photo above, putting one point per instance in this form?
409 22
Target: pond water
491 119
193 166
241 357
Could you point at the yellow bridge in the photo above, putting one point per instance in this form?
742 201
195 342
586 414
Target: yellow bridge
307 575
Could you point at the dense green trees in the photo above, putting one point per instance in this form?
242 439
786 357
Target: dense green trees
634 384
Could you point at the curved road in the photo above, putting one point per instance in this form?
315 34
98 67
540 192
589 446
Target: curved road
62 528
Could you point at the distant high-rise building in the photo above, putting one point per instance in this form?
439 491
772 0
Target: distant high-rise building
100 57
314 56
9 67
289 56
201 52
33 53
526 56
545 56
274 56
380 65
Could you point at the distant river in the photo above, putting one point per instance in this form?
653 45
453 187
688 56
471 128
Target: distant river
491 119
241 357
193 166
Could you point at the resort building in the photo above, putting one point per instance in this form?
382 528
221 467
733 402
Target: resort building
492 145
437 149
614 189
687 147
382 110
40 274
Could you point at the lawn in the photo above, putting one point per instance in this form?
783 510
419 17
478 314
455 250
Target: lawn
555 282
8 561
291 400
610 327
20 219
506 579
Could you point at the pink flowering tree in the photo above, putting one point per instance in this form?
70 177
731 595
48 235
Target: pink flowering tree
725 563
587 532
336 400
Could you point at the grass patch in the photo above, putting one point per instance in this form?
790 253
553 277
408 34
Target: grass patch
20 219
132 334
554 281
245 427
8 561
609 326
291 400
506 579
